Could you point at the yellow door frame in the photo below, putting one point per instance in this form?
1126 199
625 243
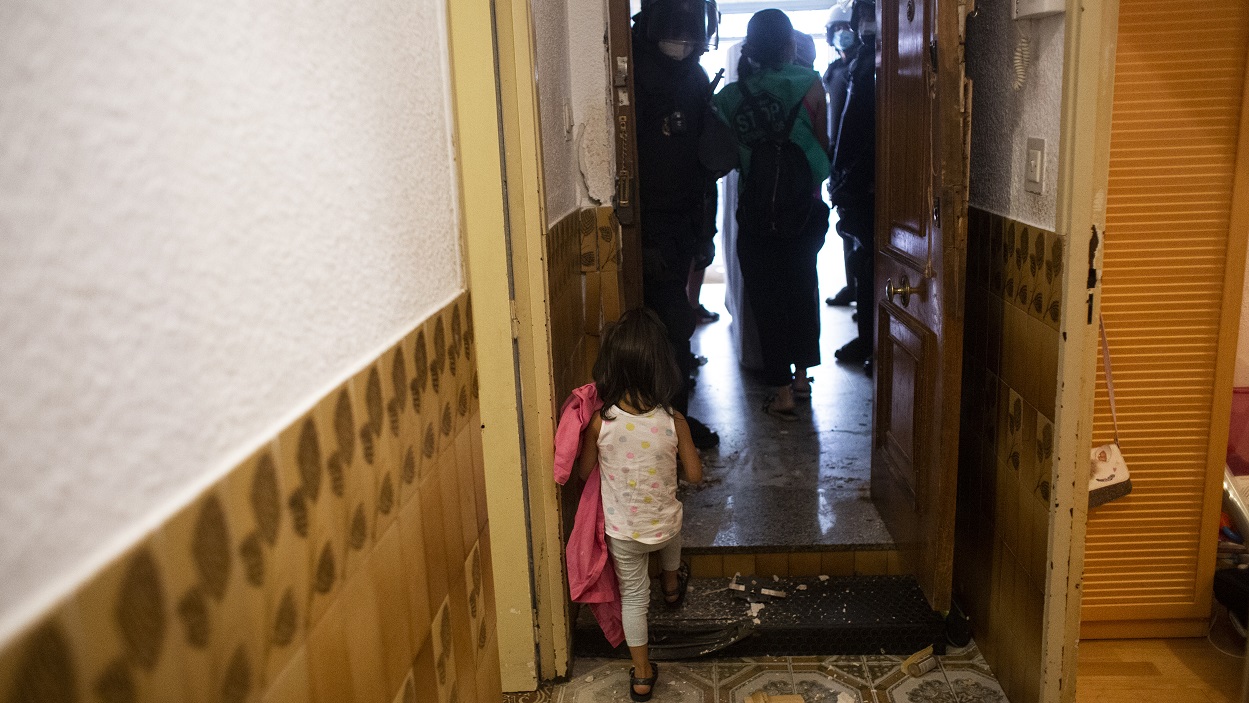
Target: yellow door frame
1090 31
503 219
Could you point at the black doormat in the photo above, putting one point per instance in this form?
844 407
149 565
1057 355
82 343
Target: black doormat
839 615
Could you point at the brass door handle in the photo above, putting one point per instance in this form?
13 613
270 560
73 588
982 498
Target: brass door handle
905 290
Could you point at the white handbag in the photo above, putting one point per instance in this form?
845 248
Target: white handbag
1109 472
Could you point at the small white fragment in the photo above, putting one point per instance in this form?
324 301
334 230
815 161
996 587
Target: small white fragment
823 577
755 621
589 678
755 608
775 577
802 587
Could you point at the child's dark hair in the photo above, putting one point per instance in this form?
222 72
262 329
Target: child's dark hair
635 364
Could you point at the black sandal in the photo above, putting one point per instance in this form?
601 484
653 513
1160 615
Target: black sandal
635 681
683 582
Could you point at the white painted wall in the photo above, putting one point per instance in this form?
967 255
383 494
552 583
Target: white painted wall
211 211
1004 118
559 163
578 150
591 95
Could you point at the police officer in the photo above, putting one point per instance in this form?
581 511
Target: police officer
851 85
672 93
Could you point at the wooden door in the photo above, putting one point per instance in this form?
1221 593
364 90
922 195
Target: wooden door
1171 291
628 210
923 118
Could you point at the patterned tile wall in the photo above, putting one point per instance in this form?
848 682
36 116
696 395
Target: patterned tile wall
600 264
347 560
1010 370
584 289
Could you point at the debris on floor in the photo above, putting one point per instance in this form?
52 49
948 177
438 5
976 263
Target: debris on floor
920 663
753 590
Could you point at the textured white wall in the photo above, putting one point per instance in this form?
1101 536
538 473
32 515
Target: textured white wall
559 159
1003 118
591 96
211 211
573 84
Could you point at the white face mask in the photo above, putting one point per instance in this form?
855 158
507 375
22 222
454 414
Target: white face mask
675 50
843 39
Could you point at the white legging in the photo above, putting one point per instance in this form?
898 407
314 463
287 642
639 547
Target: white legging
635 585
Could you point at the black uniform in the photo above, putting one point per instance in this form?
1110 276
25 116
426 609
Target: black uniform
851 88
671 103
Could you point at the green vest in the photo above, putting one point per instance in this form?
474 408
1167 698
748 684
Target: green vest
777 91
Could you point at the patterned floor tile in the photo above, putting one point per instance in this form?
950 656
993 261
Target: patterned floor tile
584 666
546 693
929 688
967 659
962 654
973 686
609 683
883 670
737 680
962 677
894 685
849 670
816 687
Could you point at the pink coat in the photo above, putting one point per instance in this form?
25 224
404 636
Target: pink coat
591 575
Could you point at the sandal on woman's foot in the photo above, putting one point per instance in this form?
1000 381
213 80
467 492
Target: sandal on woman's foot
674 599
802 392
788 414
634 682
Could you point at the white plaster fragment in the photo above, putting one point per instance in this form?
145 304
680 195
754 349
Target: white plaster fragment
802 587
823 577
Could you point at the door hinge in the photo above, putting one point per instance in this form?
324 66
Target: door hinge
511 311
932 53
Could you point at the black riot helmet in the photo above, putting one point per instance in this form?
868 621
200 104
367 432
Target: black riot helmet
694 23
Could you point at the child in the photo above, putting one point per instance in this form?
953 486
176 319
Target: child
636 439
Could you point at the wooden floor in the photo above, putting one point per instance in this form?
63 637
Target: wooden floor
1156 671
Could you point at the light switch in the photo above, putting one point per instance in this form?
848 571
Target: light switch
1034 165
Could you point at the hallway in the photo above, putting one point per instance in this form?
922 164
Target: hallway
290 295
775 484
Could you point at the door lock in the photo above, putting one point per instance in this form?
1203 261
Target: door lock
905 290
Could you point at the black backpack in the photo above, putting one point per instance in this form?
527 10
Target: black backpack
776 195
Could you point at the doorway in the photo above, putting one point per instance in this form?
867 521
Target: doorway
1076 216
775 486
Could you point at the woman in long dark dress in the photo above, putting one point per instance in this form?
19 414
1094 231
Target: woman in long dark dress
779 271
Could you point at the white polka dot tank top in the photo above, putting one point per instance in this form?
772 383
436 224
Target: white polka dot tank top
638 471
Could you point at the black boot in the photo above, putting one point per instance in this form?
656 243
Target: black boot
844 297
